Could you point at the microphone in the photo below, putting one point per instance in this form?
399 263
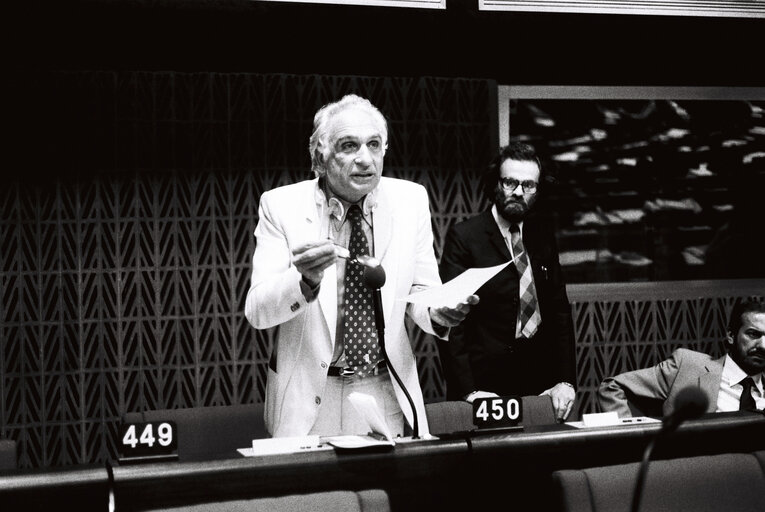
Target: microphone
374 279
690 402
374 274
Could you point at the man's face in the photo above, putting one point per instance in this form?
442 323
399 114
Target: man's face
355 160
748 346
514 205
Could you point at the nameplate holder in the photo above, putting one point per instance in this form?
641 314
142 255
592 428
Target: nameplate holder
600 419
151 441
498 412
276 445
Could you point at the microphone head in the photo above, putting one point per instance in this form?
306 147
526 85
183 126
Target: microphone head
374 276
690 402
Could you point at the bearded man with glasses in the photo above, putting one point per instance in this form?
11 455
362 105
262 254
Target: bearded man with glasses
519 339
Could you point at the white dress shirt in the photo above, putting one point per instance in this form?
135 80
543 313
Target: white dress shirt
729 397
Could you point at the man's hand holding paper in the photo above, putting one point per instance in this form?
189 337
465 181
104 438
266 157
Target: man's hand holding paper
450 303
454 292
448 316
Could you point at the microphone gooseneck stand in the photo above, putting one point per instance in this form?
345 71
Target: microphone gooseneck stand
689 403
374 278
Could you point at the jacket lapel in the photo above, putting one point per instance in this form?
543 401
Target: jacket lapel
494 236
383 220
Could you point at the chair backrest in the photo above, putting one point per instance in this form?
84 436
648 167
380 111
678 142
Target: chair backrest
210 432
538 410
449 416
725 482
8 454
367 500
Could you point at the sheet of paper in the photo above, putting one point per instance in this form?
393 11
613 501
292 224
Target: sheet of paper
278 445
251 452
636 420
455 291
351 442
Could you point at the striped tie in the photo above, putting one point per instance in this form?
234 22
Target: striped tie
528 312
360 340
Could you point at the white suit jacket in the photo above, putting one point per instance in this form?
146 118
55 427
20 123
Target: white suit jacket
403 240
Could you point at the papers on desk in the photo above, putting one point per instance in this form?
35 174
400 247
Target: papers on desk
358 442
458 289
282 445
379 435
609 419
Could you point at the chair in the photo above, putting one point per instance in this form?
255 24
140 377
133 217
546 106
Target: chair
457 415
209 432
8 454
449 416
367 500
725 482
538 410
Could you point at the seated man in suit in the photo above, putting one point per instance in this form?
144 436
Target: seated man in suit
732 382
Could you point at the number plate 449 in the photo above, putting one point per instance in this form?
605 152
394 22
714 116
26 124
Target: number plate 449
502 411
150 440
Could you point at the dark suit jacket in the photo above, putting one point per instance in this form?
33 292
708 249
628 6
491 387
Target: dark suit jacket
481 352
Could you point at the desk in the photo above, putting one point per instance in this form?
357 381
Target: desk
80 488
431 474
462 471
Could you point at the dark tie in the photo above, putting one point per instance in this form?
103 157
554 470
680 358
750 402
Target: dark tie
529 317
747 400
362 350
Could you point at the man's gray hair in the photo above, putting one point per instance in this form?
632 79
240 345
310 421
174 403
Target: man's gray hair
318 145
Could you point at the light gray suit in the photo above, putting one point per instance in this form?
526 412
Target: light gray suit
663 381
403 241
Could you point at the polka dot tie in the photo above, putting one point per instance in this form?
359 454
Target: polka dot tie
362 351
529 317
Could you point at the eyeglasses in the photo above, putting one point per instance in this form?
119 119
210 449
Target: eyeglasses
510 184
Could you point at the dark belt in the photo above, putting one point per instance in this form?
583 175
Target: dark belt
339 371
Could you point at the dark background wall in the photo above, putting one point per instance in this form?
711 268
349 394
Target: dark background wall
460 41
127 234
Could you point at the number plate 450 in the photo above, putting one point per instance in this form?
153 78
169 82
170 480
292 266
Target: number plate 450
503 411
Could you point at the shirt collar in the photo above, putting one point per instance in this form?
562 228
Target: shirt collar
733 374
503 224
338 207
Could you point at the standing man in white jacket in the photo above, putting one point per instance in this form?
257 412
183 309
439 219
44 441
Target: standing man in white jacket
304 282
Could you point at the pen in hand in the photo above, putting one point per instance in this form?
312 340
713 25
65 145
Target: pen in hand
342 252
363 259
